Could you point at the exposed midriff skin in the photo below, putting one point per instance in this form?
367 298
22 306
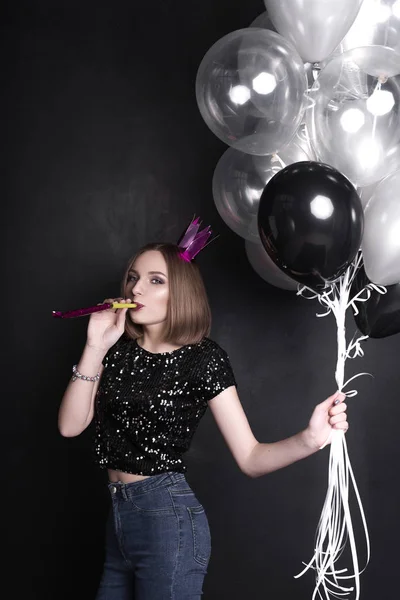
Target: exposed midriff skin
115 476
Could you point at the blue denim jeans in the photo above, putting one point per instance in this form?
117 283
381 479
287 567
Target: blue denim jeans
158 541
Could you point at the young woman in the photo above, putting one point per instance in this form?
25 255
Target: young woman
150 373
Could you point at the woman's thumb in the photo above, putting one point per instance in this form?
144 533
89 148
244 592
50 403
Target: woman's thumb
335 398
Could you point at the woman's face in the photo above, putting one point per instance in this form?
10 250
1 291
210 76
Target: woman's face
147 285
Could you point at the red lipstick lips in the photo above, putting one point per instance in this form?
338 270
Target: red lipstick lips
138 306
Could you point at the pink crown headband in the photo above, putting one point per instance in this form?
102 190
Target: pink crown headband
193 240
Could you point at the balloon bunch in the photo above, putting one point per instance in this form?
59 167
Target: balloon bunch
311 181
290 88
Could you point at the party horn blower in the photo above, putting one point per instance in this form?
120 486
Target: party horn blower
83 312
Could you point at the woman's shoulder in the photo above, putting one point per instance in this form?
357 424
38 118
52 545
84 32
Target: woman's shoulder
211 346
217 369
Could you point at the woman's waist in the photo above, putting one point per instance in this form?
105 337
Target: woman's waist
115 476
128 489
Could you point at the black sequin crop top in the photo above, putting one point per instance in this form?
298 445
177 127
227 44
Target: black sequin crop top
149 405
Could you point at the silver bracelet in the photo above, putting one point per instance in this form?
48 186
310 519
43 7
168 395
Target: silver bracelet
76 375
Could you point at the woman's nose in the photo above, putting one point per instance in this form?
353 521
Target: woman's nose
137 288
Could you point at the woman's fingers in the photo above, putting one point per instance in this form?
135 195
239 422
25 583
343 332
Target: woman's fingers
339 408
338 419
122 313
342 425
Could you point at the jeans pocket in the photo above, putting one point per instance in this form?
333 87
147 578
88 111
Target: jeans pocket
153 503
201 535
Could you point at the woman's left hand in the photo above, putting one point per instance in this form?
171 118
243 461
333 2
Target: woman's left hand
326 417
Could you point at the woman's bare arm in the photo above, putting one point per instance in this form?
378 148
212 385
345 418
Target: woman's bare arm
77 405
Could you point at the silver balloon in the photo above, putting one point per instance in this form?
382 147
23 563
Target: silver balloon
381 239
263 21
377 24
354 122
239 180
266 268
250 90
315 27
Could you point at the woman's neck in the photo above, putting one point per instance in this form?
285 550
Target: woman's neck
155 344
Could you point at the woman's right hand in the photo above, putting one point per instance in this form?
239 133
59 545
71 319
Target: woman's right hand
106 326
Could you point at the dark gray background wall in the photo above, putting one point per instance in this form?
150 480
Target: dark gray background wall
105 150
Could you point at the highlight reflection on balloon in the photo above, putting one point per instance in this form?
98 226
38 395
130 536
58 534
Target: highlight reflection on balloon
354 124
250 90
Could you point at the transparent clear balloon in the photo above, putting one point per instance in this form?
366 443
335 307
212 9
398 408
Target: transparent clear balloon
381 239
377 24
314 27
250 89
354 118
266 268
302 139
366 192
239 180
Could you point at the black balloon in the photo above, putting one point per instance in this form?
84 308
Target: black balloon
379 316
311 222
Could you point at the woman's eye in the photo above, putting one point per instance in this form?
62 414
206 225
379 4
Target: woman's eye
154 279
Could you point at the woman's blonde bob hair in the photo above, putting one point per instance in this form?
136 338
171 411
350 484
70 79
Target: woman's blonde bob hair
188 311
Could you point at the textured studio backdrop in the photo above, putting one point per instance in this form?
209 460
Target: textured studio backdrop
106 150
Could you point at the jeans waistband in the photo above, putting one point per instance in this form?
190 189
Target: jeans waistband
128 490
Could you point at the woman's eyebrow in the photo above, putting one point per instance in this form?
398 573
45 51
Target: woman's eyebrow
149 273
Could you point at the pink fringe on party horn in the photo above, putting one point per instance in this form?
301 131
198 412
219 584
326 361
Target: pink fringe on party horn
193 241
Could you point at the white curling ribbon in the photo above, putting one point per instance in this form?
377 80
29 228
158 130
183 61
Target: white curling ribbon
323 299
325 314
352 393
359 298
355 345
378 288
367 295
335 528
335 521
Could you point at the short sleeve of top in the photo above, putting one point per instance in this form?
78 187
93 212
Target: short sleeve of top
217 373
